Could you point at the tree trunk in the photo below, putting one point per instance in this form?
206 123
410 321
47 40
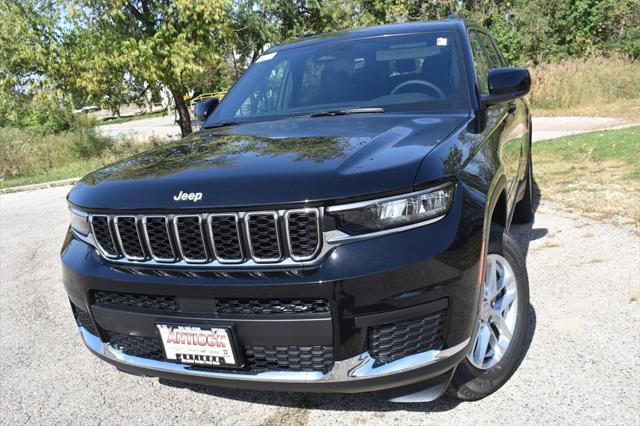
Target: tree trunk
184 119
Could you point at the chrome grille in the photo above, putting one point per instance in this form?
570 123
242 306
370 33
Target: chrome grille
232 239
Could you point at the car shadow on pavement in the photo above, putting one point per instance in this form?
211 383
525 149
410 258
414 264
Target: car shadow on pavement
317 401
523 234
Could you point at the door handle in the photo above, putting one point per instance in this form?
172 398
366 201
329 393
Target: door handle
512 107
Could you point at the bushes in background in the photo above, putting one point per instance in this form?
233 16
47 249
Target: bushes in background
27 151
586 83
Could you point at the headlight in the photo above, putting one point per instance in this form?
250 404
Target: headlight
391 212
80 222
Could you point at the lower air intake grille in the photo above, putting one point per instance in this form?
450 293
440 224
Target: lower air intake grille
258 358
293 358
390 342
140 301
267 307
143 347
83 319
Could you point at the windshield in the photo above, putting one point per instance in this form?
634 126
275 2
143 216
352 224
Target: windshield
400 73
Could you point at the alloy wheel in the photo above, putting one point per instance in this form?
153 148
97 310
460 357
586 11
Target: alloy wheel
498 313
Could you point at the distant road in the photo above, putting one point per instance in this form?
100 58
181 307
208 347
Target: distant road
140 130
543 127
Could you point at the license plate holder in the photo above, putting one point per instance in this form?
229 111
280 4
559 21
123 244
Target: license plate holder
199 345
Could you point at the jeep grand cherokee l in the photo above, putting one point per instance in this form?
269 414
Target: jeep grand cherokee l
339 224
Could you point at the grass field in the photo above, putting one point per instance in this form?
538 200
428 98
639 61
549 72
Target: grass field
594 173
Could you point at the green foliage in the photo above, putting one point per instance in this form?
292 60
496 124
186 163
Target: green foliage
115 51
48 113
26 151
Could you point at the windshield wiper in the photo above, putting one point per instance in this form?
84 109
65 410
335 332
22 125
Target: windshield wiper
222 124
346 111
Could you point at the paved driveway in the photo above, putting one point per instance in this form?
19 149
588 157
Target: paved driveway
582 365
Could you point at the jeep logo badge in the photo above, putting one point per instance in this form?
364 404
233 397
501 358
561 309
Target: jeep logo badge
191 196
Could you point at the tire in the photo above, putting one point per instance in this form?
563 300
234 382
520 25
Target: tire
524 211
471 383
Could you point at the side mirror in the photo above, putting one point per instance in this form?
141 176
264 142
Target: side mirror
507 84
203 109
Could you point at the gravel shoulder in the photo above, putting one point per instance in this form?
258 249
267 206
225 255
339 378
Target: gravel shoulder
582 366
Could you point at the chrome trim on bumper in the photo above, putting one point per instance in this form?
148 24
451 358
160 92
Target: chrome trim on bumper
355 368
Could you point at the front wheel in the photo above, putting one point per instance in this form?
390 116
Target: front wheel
501 326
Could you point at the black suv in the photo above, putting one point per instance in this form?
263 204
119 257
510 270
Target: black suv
339 224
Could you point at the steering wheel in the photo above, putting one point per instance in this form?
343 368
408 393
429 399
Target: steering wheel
431 86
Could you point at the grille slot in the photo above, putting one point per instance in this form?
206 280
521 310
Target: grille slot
128 237
291 358
303 233
269 307
190 238
225 238
140 301
394 341
158 238
264 241
103 236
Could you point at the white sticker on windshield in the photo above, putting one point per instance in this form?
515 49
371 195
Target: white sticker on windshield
441 41
267 57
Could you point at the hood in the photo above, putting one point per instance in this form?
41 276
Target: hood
279 162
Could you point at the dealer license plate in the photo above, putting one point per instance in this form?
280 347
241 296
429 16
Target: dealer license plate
198 345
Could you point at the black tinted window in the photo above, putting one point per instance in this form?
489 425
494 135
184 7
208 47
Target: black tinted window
397 73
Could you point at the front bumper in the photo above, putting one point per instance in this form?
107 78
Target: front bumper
371 283
356 374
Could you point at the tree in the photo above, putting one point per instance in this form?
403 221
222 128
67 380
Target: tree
159 42
29 38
